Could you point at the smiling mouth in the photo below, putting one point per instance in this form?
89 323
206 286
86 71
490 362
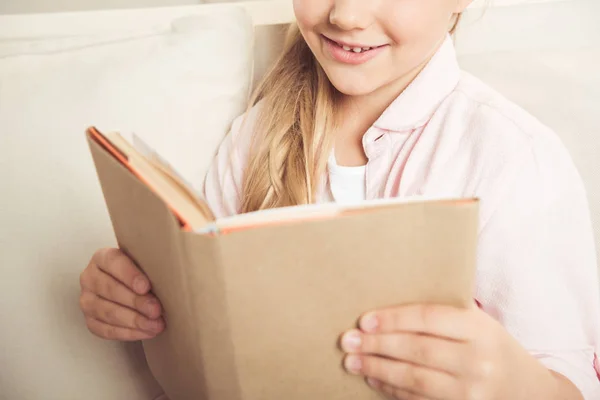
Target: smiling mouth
352 48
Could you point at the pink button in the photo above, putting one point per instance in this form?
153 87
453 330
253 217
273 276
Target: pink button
597 365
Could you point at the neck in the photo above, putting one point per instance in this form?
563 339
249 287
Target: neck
364 110
359 114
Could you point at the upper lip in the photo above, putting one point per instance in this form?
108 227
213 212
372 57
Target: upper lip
349 44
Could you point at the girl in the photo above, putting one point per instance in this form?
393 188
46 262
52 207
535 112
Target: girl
368 101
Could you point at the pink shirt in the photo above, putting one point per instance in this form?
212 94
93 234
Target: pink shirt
450 135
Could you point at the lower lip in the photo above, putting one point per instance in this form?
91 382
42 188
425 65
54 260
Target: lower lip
350 57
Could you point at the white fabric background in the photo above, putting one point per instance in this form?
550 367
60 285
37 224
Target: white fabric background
170 86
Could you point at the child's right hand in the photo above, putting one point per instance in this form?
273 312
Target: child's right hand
116 300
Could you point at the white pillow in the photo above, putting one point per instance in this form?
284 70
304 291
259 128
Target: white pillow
179 89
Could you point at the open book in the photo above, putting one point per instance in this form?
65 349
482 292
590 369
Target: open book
254 304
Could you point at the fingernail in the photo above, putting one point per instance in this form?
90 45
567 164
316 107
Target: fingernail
369 323
374 383
351 341
140 285
152 325
151 308
353 364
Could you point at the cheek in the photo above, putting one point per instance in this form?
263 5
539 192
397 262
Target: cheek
417 22
311 13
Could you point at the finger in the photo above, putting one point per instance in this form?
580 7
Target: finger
116 315
394 393
410 378
107 287
116 264
426 351
442 321
111 332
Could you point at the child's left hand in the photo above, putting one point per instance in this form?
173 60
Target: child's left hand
443 353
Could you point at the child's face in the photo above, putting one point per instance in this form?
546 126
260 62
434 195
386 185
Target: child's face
402 35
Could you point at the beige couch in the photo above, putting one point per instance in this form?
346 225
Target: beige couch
52 216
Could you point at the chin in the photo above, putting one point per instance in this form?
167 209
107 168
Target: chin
352 85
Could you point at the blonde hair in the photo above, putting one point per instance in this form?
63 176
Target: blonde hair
292 135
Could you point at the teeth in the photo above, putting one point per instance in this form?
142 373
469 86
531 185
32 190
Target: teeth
356 49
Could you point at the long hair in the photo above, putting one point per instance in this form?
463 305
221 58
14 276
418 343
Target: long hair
291 144
292 135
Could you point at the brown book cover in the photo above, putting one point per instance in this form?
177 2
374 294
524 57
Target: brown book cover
255 312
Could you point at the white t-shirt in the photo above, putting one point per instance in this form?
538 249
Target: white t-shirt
347 185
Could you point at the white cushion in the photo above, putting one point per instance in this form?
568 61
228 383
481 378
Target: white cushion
179 89
37 6
545 58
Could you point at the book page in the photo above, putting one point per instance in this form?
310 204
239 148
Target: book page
303 213
162 165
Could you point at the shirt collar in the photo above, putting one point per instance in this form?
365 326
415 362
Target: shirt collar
417 103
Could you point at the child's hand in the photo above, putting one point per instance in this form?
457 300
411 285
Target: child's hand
116 299
442 353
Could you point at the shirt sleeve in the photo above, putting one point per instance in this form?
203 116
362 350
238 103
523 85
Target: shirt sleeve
224 179
537 268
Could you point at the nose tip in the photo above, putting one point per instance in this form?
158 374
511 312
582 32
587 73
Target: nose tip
336 19
349 17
